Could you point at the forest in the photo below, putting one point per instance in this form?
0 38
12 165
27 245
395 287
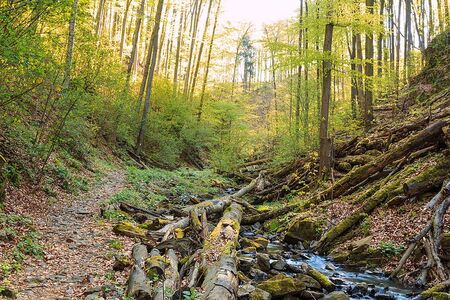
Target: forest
224 149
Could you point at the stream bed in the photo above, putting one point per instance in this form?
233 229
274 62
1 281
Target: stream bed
357 283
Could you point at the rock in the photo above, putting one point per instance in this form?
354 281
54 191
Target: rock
93 296
361 245
245 263
282 285
324 281
303 229
382 296
294 268
249 250
259 243
258 275
263 262
262 241
279 265
259 294
335 296
245 290
330 266
243 278
441 296
290 297
311 295
361 287
308 281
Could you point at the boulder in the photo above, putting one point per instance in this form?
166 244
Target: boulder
361 245
303 229
245 263
336 296
311 295
259 243
281 285
259 294
245 290
258 275
308 281
324 281
263 261
279 265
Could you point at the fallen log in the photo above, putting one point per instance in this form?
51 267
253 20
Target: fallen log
411 144
171 277
139 286
440 204
209 207
429 179
219 257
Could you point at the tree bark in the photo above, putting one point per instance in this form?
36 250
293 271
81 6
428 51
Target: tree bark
153 49
325 143
70 46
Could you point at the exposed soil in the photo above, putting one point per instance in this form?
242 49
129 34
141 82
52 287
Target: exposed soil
78 255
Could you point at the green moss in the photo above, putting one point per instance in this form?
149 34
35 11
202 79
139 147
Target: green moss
128 228
324 281
281 285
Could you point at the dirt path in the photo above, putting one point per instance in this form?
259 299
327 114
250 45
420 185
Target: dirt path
78 254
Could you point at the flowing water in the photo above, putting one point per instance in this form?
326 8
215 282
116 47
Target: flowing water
348 279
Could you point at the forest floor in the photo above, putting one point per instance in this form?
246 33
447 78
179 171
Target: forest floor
79 247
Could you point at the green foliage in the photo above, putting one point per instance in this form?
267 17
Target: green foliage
191 294
116 244
390 248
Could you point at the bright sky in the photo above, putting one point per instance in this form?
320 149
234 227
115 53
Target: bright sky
258 11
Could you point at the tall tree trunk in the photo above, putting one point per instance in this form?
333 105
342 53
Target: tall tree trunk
299 77
135 40
380 41
208 61
70 45
354 82
399 18
162 37
153 51
306 71
200 51
194 32
178 51
325 143
360 74
368 106
408 40
100 13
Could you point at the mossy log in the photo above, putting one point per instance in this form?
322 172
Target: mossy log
171 277
128 229
429 179
418 141
386 189
324 281
210 207
427 294
139 286
219 256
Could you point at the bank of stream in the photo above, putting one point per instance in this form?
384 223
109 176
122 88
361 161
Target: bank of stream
357 283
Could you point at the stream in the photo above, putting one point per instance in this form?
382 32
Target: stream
357 283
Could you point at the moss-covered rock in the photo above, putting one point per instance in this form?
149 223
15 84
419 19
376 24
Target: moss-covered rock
303 229
281 285
259 294
324 281
441 296
308 281
259 244
360 246
336 296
